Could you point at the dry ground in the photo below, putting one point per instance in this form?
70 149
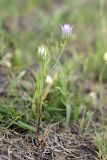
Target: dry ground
57 146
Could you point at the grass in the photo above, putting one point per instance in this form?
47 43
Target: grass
26 25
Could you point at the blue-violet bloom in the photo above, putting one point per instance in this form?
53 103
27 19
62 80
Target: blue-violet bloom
66 30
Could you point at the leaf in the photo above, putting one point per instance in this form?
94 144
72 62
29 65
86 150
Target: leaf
25 126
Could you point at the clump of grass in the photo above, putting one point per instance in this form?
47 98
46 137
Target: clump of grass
101 141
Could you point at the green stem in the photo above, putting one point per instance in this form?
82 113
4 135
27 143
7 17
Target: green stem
102 20
37 99
101 94
64 45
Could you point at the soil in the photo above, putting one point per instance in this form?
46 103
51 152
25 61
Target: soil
56 146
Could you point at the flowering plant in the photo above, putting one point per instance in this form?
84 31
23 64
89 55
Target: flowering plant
42 76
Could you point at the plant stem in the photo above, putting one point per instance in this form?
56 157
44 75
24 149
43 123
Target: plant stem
101 94
63 47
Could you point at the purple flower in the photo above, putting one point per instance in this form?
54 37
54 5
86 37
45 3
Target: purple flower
66 30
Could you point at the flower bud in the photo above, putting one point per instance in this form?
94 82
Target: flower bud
42 52
49 79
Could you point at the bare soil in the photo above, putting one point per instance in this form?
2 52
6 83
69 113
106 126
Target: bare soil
57 146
